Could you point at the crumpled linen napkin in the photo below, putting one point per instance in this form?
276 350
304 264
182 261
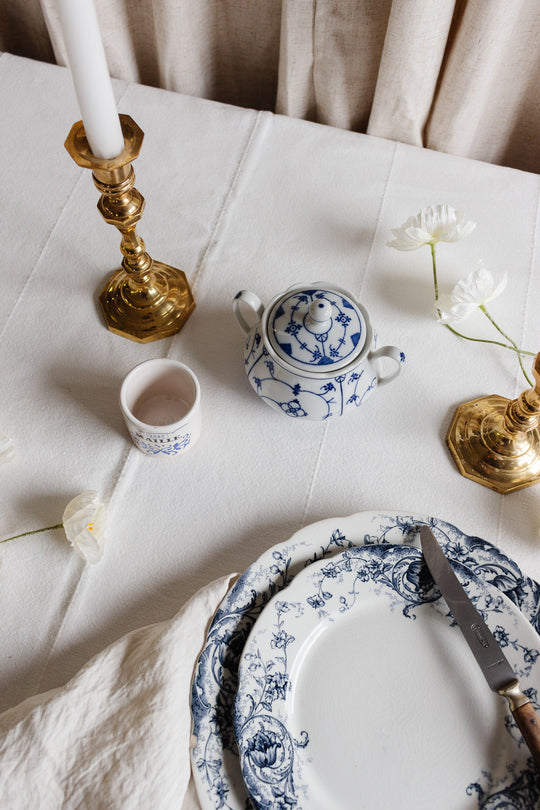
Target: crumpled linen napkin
117 735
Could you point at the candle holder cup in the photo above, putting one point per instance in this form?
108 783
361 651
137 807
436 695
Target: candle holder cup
144 300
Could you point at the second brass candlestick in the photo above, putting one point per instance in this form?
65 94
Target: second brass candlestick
145 300
496 441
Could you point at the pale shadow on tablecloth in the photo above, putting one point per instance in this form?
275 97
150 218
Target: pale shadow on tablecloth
216 344
173 594
43 509
411 295
95 391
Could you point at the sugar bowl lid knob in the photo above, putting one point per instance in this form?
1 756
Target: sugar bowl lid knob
320 311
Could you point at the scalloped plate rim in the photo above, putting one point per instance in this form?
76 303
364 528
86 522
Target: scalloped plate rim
207 691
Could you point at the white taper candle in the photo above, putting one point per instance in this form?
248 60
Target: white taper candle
86 57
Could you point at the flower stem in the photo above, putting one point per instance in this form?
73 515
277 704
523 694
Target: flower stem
513 347
485 340
435 282
34 531
505 336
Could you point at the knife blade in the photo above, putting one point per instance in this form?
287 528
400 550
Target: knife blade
495 666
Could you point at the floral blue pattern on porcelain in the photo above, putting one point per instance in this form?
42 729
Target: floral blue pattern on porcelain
279 768
160 443
315 327
215 763
303 399
311 353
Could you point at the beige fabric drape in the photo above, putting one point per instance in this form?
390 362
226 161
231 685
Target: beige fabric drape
460 76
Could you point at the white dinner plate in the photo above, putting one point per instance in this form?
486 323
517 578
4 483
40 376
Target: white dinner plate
215 765
357 690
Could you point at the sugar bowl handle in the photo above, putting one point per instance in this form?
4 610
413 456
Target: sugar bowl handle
247 302
394 354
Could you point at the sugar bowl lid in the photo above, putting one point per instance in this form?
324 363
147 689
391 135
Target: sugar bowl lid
319 328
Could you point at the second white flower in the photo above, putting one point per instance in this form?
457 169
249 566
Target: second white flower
474 291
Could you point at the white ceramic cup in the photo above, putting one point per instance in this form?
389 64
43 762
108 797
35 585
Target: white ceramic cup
161 404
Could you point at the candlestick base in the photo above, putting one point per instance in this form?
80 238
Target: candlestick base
145 300
496 442
150 313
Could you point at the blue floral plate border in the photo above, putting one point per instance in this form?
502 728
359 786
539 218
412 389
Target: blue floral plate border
316 679
215 763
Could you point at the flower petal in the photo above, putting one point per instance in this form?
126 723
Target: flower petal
438 223
89 546
499 288
456 313
84 522
7 449
478 287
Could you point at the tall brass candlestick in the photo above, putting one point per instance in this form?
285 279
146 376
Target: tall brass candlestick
496 441
145 300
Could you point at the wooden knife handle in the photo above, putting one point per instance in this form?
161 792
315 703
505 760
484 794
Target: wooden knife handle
529 725
525 716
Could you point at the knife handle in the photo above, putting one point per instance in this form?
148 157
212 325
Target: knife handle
529 725
525 716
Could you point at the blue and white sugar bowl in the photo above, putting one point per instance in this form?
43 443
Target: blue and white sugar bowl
311 353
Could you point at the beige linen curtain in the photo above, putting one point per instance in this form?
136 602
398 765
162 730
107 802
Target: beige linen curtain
460 76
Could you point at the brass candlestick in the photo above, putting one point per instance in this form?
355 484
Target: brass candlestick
144 300
496 442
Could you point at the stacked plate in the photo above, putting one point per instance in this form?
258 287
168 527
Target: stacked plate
333 677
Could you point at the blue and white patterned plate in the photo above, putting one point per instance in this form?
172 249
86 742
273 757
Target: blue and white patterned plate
215 764
356 689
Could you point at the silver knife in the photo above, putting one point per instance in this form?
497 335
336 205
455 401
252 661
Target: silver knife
493 663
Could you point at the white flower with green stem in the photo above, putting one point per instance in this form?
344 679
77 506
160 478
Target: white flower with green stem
83 522
442 223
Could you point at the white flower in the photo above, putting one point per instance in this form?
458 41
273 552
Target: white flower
474 291
84 521
7 449
438 223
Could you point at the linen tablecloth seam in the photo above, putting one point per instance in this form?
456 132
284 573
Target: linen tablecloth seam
303 521
77 580
129 453
55 633
47 240
225 203
518 386
120 474
378 221
366 270
123 465
40 257
49 237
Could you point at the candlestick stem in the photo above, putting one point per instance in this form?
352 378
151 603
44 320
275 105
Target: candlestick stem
145 300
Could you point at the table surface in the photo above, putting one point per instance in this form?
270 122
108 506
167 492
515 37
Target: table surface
238 199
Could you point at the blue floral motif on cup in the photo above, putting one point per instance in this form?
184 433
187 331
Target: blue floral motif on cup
161 443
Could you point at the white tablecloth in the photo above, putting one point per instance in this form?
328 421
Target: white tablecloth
237 199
